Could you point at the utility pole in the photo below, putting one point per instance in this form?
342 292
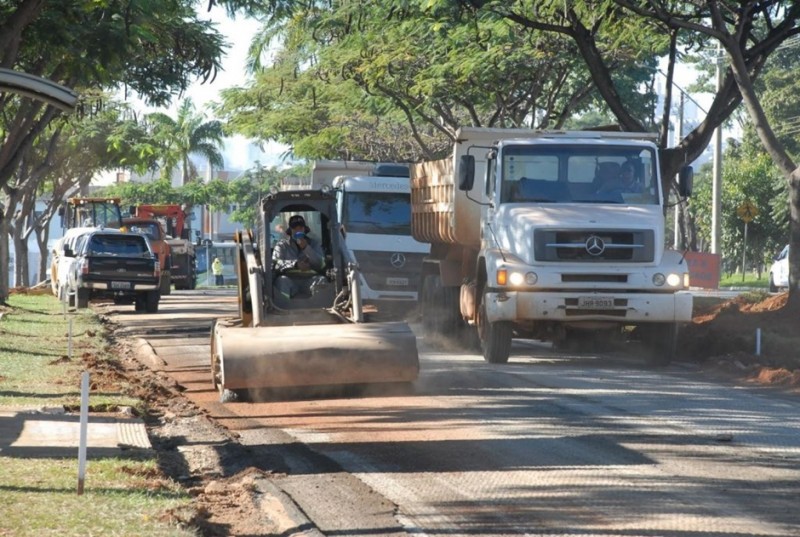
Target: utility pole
676 243
716 191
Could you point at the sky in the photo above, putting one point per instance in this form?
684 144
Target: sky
239 153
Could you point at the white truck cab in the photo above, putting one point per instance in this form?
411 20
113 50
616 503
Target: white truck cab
375 212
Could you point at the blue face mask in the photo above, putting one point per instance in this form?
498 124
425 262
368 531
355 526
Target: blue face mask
299 234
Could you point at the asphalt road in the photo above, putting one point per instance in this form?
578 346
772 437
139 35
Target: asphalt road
549 444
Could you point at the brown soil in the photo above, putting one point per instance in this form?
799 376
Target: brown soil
725 336
192 449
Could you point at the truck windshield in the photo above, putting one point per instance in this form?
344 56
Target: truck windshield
145 228
578 174
383 213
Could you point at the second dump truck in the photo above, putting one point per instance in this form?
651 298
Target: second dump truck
528 241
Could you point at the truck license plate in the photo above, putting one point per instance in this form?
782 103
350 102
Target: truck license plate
396 281
595 302
120 285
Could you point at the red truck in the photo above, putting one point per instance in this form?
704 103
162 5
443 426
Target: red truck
175 221
154 230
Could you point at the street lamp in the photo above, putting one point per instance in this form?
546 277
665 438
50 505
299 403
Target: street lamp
38 88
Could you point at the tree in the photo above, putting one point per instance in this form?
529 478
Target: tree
246 191
152 47
188 134
748 176
359 80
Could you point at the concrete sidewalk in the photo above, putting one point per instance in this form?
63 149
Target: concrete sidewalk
34 433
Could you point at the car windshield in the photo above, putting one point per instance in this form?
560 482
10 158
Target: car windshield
578 174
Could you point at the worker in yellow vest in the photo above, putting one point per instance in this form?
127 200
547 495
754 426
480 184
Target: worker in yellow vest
216 268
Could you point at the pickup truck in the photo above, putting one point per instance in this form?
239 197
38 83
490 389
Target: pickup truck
117 265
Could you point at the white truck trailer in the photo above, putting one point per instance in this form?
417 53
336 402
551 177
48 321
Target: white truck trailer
527 241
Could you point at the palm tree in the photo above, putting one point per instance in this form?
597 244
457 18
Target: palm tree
189 134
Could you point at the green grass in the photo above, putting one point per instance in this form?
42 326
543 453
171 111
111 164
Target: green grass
750 279
123 495
37 368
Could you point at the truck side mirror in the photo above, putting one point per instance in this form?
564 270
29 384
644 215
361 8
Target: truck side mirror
685 181
466 172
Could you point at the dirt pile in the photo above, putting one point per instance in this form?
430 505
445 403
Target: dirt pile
754 333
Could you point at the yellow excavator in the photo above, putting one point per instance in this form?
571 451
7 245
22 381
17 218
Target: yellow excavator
318 336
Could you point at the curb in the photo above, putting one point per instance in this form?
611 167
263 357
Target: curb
289 519
147 355
273 501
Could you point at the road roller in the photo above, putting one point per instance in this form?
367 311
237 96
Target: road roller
301 324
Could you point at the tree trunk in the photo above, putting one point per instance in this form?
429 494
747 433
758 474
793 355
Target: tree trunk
21 272
44 253
5 257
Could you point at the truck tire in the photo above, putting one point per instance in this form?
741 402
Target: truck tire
191 282
495 337
82 298
139 302
151 300
166 283
661 341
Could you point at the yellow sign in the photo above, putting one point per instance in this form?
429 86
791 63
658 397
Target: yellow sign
747 211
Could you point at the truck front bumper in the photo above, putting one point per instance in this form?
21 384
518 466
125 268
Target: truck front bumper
623 308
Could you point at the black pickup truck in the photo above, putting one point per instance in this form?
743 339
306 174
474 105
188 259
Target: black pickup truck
113 264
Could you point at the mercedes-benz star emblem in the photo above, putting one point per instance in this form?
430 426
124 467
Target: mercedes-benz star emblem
397 260
595 245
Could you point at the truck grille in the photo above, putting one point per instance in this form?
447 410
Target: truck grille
594 246
390 271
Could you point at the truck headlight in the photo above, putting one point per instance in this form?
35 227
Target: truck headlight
659 279
674 280
516 279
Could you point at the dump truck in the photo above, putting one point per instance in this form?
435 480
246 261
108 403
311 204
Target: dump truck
175 218
374 208
529 241
317 338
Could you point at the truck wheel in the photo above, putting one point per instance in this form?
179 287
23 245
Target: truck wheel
139 302
191 282
661 340
82 298
151 301
166 283
495 337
